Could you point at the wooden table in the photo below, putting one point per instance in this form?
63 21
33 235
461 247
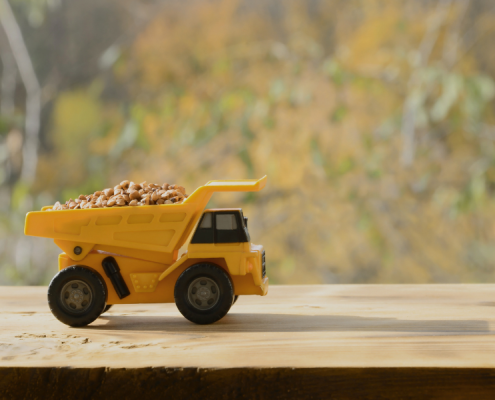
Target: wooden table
342 341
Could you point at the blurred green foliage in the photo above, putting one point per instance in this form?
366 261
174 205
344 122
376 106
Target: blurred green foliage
374 121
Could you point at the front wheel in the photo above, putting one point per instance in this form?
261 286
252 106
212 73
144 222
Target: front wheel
107 307
76 296
204 293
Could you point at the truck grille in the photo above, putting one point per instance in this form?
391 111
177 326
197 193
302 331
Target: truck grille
263 264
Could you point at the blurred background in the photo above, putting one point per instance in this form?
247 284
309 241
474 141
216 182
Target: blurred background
373 119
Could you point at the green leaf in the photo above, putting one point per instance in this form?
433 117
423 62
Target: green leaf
452 85
339 113
126 139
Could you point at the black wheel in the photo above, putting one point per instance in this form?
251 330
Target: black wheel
204 293
235 299
77 296
107 307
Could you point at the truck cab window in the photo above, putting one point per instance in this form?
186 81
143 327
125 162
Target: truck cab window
206 221
221 227
227 228
226 222
204 233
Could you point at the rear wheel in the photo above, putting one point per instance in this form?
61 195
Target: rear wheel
76 296
204 293
235 299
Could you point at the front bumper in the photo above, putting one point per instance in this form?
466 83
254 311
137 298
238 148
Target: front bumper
264 286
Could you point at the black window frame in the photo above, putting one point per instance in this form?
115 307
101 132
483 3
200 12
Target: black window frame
201 235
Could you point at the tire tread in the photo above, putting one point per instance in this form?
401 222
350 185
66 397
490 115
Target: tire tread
207 316
99 296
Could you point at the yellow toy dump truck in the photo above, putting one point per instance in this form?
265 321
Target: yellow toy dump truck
131 255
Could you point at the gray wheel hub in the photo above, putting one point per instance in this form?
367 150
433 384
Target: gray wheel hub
203 293
76 296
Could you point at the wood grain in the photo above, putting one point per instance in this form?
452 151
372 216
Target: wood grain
376 341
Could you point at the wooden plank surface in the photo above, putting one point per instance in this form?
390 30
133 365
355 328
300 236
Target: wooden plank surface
393 338
294 326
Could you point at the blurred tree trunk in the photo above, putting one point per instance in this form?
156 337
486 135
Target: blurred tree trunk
33 91
8 83
410 109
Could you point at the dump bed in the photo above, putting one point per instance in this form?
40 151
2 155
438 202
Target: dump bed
162 228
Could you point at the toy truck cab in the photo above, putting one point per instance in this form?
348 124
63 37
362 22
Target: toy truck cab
130 255
222 238
224 233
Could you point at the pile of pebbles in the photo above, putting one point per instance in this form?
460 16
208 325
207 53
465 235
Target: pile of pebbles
127 193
